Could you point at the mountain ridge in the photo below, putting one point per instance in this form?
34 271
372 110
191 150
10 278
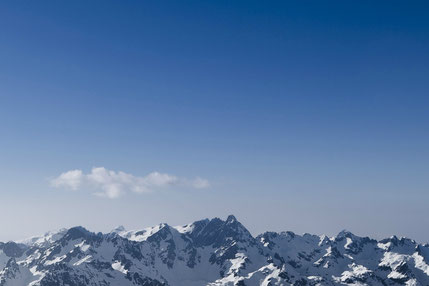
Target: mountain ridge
210 252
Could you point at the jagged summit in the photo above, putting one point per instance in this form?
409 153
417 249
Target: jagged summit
77 232
211 252
344 233
12 249
231 219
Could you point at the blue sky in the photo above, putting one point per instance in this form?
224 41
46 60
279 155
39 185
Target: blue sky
307 116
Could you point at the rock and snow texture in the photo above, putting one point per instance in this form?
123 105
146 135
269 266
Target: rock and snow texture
210 252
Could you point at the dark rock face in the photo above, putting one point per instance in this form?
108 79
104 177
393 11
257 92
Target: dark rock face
212 252
144 281
12 249
217 232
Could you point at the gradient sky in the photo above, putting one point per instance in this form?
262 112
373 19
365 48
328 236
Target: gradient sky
309 116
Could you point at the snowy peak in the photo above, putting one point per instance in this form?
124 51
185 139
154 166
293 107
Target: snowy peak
44 239
144 234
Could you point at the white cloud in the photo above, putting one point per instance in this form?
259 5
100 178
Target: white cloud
112 184
71 179
158 179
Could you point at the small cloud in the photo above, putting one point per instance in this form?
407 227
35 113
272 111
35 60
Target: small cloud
200 183
158 179
71 179
112 184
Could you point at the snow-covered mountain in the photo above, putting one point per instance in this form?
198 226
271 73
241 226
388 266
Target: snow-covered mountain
210 252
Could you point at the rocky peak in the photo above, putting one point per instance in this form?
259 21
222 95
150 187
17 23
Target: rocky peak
231 219
218 232
12 249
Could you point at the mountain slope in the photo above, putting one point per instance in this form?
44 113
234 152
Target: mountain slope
210 252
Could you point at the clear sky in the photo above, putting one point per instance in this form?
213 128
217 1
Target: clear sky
310 116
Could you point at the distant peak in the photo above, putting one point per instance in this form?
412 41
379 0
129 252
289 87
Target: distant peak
118 229
77 228
12 249
231 219
163 225
344 233
77 232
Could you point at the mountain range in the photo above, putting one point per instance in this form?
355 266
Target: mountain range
211 252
